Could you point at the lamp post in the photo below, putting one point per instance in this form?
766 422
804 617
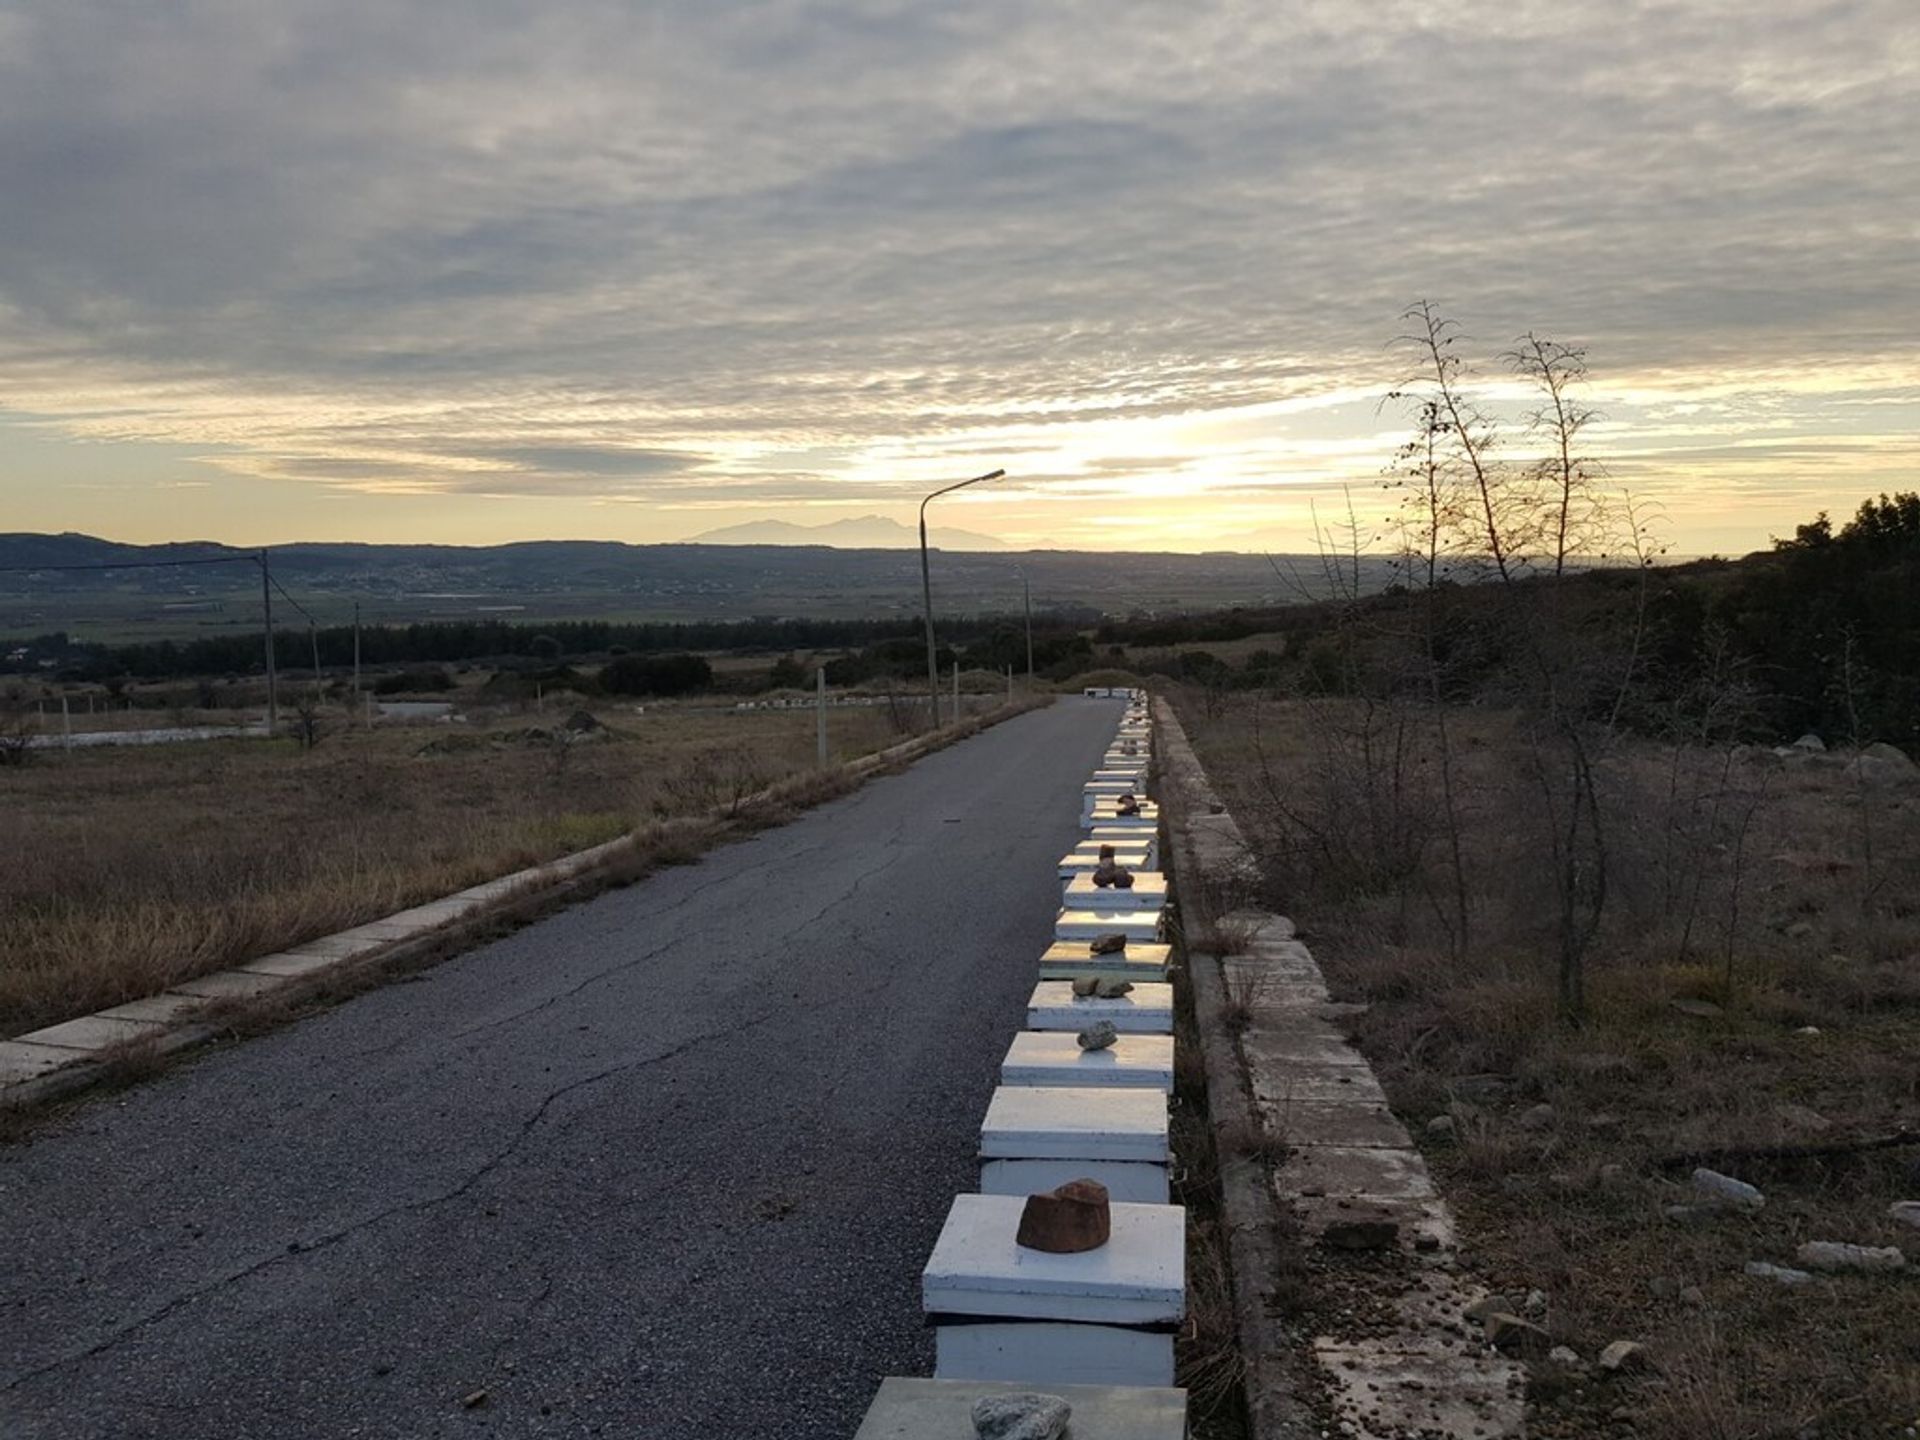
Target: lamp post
926 588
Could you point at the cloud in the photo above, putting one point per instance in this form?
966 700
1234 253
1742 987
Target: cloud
591 249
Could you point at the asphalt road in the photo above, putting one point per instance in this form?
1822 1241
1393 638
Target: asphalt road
666 1164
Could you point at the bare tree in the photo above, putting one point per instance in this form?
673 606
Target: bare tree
306 719
1500 515
1572 511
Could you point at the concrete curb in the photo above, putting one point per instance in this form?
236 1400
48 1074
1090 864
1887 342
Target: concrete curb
1194 824
61 1060
1291 1078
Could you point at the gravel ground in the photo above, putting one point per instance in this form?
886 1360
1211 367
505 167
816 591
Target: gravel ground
663 1165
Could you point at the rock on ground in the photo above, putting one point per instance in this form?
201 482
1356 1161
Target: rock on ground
1837 1255
1725 1190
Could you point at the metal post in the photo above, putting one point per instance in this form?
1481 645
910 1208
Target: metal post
266 598
956 692
1009 684
821 686
66 719
356 647
313 638
926 600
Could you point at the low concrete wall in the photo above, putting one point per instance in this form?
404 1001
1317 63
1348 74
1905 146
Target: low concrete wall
1315 1167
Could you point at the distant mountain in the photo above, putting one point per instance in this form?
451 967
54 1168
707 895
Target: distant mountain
868 532
101 589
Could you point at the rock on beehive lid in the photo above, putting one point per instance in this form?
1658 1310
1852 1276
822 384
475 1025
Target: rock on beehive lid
1098 1036
1111 944
1021 1417
1068 1220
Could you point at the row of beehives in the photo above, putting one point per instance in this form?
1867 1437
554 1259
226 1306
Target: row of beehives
1078 1101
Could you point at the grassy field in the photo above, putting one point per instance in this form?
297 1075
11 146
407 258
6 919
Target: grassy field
1754 1006
130 869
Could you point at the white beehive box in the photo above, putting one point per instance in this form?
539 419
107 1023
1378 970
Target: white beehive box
1148 892
1136 925
1127 837
1096 793
1066 959
1100 1317
1038 1137
1087 857
1147 1009
1054 1057
943 1410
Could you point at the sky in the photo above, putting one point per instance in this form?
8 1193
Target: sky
416 270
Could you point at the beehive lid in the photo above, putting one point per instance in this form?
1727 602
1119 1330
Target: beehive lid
1065 1122
1137 1278
1054 1057
1147 1008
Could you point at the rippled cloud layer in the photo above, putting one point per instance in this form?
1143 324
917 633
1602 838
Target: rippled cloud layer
412 269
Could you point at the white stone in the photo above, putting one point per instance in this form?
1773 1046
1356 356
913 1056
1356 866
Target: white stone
1781 1274
1054 1057
1147 1009
977 1270
1907 1212
1725 1190
943 1410
1836 1255
1136 925
1148 892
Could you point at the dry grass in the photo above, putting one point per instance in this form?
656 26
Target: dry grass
132 869
1782 895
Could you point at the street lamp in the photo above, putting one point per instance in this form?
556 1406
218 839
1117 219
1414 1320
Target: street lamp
926 589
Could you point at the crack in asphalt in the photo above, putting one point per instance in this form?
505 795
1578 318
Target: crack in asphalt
287 1255
587 982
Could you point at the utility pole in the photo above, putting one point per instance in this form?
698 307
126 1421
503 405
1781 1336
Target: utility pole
1026 600
821 683
356 649
266 598
313 638
956 692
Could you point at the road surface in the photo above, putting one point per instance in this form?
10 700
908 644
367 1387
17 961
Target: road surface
663 1165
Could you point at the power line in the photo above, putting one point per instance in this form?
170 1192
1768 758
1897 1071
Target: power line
132 565
291 601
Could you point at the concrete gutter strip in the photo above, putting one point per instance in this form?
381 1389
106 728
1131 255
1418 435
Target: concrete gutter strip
1291 1074
62 1059
1202 854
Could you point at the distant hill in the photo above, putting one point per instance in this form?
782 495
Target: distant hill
549 580
868 532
